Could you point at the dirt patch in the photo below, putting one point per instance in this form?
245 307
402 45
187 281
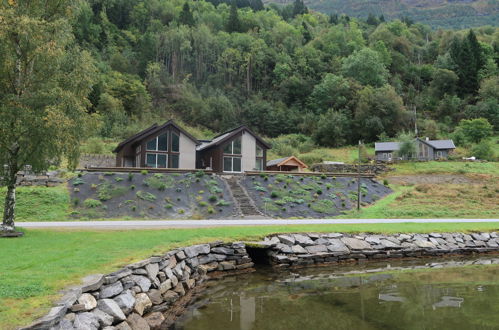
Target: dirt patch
435 179
157 196
289 196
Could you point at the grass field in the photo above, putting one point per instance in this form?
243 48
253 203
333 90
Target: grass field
447 167
34 268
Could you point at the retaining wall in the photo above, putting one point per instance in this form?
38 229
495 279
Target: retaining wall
149 293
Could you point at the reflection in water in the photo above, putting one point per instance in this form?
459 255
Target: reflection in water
455 294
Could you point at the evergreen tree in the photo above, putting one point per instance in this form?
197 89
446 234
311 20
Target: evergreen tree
186 17
256 5
306 33
299 8
234 24
372 20
333 19
382 18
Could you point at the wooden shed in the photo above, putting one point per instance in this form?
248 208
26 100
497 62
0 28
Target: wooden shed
286 164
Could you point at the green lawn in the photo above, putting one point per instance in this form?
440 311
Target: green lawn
448 167
34 268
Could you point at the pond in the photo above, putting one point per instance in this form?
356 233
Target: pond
458 293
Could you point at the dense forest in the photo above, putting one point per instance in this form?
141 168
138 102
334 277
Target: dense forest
282 70
449 14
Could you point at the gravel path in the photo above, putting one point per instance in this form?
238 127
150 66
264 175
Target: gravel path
157 224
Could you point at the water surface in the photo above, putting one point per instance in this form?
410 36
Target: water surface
430 294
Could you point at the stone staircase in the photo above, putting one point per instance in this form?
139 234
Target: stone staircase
245 206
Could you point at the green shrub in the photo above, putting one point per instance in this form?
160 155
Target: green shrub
108 173
144 195
132 187
75 201
93 186
168 206
385 182
323 176
483 150
212 198
210 209
133 208
78 181
92 203
222 203
324 206
106 191
181 211
144 172
199 174
130 176
319 192
274 194
203 203
260 188
118 179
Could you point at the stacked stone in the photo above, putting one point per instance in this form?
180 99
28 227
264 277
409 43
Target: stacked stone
137 296
305 249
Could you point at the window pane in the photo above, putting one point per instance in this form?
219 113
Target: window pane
162 142
161 161
259 151
174 159
258 164
236 164
151 160
228 148
151 145
237 146
175 142
227 164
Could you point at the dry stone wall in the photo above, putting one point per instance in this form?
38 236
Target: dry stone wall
305 249
137 296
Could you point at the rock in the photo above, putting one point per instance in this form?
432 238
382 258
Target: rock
435 235
77 308
86 321
334 235
136 322
110 307
336 245
480 237
206 259
273 241
65 325
356 244
226 265
170 296
140 271
179 288
223 250
47 321
139 264
111 290
389 244
154 320
316 249
321 241
287 240
125 301
155 296
88 301
165 286
123 326
152 270
405 237
70 297
195 250
303 240
190 283
180 255
424 244
298 249
113 277
103 318
373 240
143 282
142 303
284 248
178 270
92 282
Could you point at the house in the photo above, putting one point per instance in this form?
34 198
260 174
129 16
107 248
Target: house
286 164
425 150
234 151
170 146
159 146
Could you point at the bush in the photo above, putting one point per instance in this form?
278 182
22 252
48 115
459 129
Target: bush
212 198
199 174
130 176
483 150
118 179
92 203
319 192
385 182
274 194
222 203
75 201
144 172
144 195
78 181
93 146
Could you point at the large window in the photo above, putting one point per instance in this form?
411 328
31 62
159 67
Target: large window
156 160
159 143
232 164
175 142
233 147
259 158
232 156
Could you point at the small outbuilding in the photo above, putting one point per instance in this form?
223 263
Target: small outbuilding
288 164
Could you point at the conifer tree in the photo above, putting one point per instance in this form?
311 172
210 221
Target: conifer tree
299 8
186 17
234 24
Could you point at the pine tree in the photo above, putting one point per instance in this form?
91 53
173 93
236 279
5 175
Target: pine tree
333 19
299 8
382 18
372 20
186 17
233 25
256 5
306 33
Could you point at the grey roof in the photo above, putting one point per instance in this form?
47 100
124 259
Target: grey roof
386 146
442 144
276 161
207 144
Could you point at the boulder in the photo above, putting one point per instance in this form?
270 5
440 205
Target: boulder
155 296
424 244
123 326
170 296
136 322
154 320
111 290
195 250
88 301
142 303
179 288
389 244
480 237
143 282
316 249
86 321
303 240
165 286
92 282
285 239
337 246
65 325
125 301
356 244
180 255
103 318
284 248
110 307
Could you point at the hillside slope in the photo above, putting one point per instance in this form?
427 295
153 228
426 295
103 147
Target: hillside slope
455 14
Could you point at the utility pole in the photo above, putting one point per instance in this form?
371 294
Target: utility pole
358 182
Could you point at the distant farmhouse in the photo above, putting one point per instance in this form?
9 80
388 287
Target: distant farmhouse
425 150
170 146
286 164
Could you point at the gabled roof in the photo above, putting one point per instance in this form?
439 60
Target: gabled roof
225 136
393 146
152 130
284 160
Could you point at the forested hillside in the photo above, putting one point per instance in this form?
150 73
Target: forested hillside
451 14
282 71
